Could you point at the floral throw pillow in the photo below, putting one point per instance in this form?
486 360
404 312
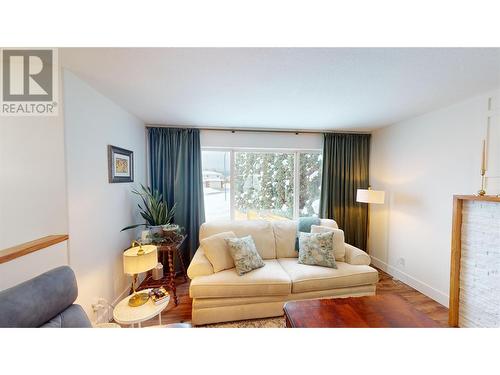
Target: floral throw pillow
245 255
316 249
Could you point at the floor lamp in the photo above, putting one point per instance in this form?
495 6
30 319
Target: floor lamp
373 197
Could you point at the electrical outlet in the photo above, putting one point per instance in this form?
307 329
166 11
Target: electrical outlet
401 262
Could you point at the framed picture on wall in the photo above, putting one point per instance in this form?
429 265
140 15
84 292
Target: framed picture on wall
120 164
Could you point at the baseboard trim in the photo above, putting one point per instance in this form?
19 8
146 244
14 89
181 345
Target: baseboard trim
422 287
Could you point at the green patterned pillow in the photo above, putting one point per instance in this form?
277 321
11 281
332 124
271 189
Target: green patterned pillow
244 253
316 249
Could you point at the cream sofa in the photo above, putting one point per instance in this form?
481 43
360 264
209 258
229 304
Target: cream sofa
225 296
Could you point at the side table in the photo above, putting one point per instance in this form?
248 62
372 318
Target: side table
125 314
168 250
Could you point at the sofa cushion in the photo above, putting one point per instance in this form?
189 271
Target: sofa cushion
328 223
317 249
285 232
245 255
285 235
260 230
270 280
217 252
338 240
307 278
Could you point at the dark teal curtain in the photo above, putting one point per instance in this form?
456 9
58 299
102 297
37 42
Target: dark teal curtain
345 169
175 170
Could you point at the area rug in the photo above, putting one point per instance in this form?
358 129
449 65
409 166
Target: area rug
278 322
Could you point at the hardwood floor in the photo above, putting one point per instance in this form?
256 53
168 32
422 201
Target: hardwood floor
421 302
175 314
386 284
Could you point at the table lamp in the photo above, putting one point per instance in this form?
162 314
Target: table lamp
136 260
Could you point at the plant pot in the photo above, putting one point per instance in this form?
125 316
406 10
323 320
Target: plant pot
146 236
171 231
156 230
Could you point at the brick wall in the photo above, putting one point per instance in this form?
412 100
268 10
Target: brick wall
480 265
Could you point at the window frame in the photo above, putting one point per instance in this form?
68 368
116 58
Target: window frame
296 170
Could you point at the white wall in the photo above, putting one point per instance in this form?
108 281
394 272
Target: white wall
32 192
28 266
421 163
227 139
97 209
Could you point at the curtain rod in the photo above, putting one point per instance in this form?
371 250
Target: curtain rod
258 130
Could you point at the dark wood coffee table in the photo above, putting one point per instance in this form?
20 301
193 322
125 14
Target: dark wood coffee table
383 311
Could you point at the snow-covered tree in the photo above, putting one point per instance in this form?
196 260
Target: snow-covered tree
265 182
310 183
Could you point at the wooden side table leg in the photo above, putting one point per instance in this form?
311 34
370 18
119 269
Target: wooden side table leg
179 255
171 276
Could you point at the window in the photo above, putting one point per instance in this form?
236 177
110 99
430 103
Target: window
216 184
309 183
264 184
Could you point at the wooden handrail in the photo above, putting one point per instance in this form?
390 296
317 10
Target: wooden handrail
14 252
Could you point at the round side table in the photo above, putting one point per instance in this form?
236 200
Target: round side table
125 314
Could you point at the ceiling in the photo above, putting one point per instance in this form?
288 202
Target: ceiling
284 88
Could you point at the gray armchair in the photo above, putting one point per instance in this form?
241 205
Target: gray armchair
44 301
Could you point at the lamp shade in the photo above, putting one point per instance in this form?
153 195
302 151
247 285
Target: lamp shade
134 262
370 196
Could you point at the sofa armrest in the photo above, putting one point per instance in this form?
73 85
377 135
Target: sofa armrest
353 255
200 265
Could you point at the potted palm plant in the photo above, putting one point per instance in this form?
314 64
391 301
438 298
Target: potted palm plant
154 210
